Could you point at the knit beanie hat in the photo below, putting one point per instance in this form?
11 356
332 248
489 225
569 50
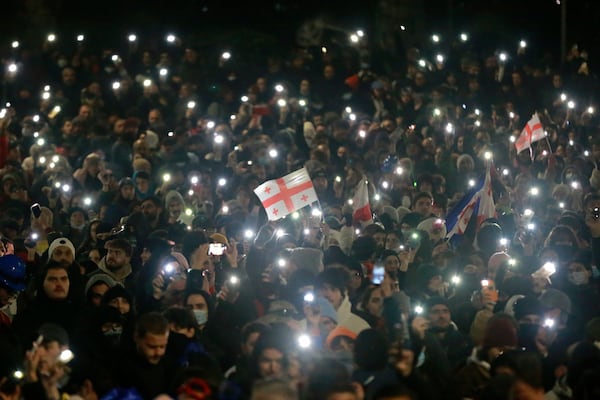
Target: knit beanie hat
554 298
426 272
308 258
528 305
501 331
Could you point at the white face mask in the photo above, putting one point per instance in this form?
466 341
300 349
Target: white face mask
201 316
578 278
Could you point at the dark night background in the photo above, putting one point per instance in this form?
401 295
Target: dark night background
276 21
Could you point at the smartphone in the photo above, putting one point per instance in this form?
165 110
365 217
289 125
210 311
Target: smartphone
378 274
36 210
216 249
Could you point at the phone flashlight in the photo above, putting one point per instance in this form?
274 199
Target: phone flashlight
309 297
304 341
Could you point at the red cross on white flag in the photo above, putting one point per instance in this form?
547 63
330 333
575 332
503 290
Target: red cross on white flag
283 196
532 132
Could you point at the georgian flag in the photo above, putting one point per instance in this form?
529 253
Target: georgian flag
283 196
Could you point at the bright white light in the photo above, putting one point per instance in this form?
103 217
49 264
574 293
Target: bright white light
455 279
66 187
477 111
132 37
273 153
488 155
36 134
222 182
170 38
309 297
362 133
42 160
41 142
377 197
531 226
279 88
449 128
485 283
116 85
188 212
352 117
350 201
437 112
464 37
575 185
503 57
18 375
225 209
512 139
306 231
357 232
80 38
190 192
561 205
210 124
418 309
191 104
478 123
435 38
51 37
226 55
511 115
505 172
528 212
563 97
360 33
471 182
147 82
295 215
315 212
503 241
87 201
234 280
232 117
281 102
304 341
36 118
571 104
15 44
45 95
163 72
549 268
194 180
244 99
534 191
55 158
170 134
166 177
549 323
586 153
279 233
399 171
522 44
302 103
248 233
439 58
348 109
323 49
12 67
354 38
422 63
385 185
46 88
590 110
219 139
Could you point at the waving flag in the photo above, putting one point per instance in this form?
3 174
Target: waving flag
532 132
478 201
283 196
361 210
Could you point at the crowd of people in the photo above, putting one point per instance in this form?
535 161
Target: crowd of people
137 262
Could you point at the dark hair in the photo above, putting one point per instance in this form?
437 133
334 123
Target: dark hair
153 323
393 392
335 276
253 327
421 195
180 317
120 244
